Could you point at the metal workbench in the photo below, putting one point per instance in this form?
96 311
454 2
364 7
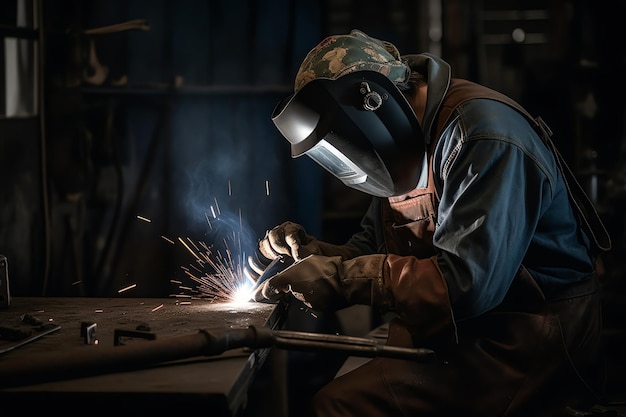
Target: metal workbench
219 385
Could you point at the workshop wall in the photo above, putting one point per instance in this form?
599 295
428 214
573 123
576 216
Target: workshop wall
157 128
219 68
193 122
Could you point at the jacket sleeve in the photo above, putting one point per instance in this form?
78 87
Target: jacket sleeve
498 183
419 295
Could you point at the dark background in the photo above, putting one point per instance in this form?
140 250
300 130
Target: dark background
169 120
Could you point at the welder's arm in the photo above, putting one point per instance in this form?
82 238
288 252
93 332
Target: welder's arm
414 288
327 283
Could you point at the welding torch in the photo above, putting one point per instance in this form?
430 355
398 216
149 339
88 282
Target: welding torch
60 365
277 265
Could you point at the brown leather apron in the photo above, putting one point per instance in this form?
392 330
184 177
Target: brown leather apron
507 363
529 357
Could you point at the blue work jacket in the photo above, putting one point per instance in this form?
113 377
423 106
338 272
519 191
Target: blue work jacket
502 202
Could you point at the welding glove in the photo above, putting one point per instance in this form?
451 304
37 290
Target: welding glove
288 239
328 283
291 239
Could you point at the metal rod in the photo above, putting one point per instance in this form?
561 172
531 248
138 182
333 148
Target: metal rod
357 346
74 363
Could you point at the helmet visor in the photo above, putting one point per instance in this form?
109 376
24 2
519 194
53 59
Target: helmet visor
360 128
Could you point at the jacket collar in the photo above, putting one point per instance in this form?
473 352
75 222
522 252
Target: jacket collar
437 73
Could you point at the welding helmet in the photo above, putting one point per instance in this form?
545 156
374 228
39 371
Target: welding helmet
349 116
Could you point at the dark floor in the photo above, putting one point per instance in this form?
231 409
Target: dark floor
615 402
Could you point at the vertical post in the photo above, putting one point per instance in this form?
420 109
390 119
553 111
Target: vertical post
5 294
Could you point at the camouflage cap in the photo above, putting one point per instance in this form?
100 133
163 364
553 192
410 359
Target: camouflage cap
339 55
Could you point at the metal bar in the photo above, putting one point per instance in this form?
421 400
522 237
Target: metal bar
74 363
357 346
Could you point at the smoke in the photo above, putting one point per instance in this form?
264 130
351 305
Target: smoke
226 158
212 211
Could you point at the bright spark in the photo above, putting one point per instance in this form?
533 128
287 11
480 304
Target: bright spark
216 273
168 240
180 239
217 206
208 221
217 270
145 219
126 288
243 294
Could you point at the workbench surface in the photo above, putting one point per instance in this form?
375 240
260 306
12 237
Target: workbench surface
218 383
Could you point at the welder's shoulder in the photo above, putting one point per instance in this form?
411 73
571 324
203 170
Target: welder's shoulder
482 123
486 118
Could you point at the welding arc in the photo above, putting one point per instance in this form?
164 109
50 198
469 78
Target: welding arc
75 363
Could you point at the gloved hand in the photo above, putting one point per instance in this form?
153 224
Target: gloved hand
284 239
289 239
326 283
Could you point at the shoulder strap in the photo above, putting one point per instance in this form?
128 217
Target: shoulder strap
461 91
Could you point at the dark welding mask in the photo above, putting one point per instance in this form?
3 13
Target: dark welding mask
360 128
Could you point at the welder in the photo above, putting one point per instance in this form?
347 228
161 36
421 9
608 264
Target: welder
478 240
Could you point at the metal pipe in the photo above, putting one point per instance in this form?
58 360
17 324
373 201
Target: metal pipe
356 346
62 365
74 363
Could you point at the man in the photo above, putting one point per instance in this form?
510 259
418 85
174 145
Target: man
478 238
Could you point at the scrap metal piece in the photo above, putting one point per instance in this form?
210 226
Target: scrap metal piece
36 334
88 332
30 319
